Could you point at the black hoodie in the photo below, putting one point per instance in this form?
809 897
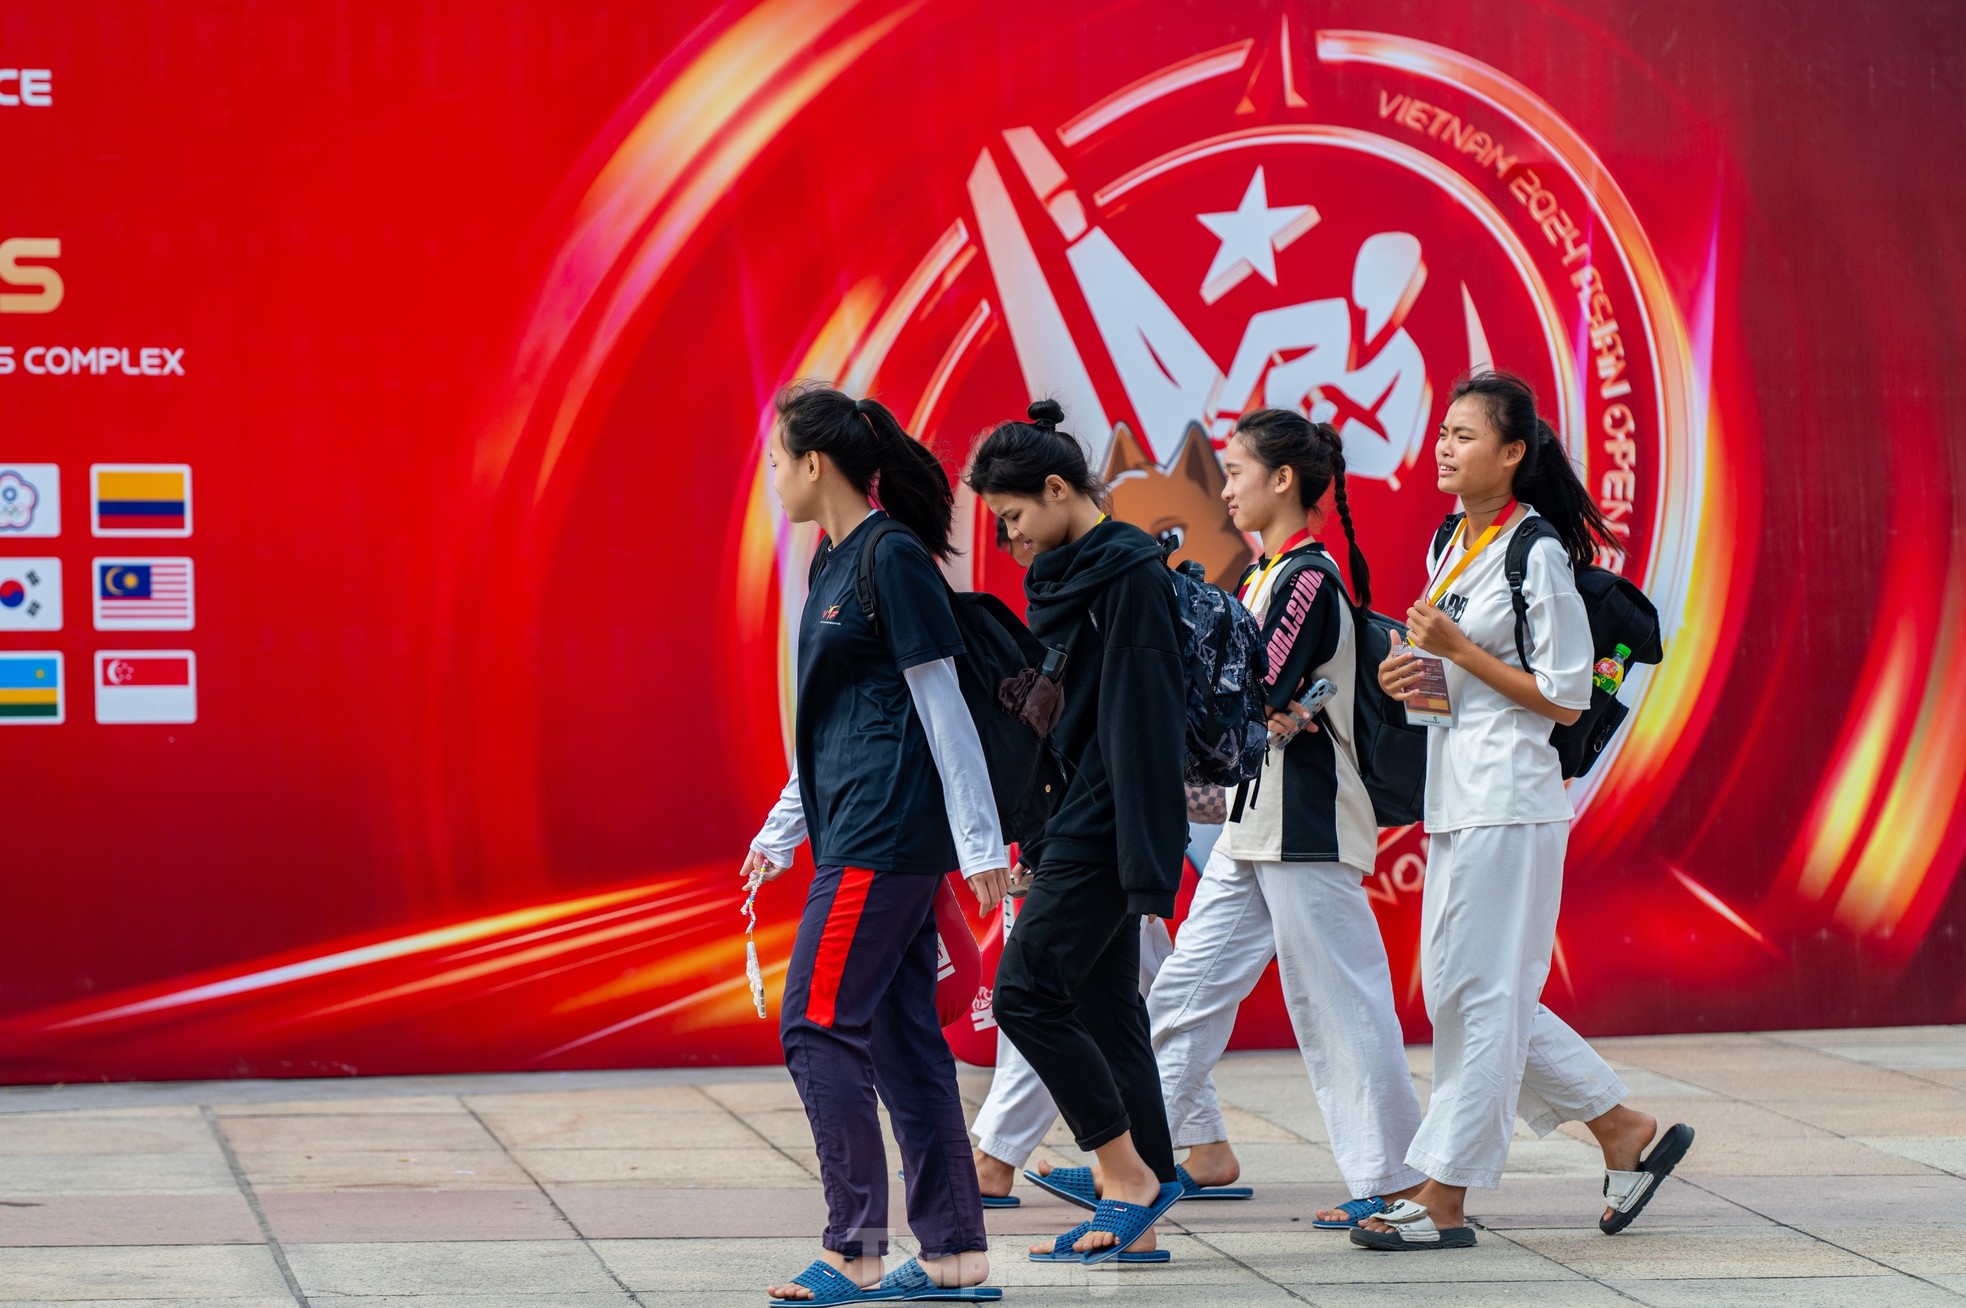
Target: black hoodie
1107 600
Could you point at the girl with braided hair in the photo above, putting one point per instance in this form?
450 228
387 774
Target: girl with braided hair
1286 879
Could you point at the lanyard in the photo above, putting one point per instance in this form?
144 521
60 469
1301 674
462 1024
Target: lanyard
1482 542
1256 583
751 972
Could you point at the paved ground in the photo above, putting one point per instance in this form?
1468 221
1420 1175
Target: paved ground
1830 1169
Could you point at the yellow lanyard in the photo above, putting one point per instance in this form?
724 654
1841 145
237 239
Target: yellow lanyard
1481 543
1250 591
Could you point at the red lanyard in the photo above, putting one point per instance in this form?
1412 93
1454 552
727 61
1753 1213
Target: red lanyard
1256 583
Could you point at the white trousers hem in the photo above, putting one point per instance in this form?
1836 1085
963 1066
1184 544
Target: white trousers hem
1013 1152
1447 1174
1547 1119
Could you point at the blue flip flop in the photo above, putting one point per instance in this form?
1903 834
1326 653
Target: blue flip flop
911 1284
1062 1251
1061 1248
829 1285
1129 1221
1190 1190
1358 1210
1072 1184
989 1200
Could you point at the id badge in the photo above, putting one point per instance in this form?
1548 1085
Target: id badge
1428 703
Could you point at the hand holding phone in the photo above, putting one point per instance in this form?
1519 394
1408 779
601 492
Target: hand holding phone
1287 722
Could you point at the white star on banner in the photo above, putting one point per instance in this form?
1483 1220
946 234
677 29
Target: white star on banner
1251 238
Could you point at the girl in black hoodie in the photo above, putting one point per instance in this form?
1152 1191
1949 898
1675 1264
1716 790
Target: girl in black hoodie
1067 989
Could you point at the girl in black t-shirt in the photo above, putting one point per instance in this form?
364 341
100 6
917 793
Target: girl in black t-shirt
889 784
1067 989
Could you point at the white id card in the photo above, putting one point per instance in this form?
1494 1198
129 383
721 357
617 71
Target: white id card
1428 704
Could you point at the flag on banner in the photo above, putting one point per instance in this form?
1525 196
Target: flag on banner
30 594
30 500
146 685
30 688
140 499
143 594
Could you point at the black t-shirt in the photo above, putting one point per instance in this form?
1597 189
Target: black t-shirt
872 796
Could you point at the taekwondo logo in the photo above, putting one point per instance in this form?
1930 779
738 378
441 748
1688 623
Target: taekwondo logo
1340 223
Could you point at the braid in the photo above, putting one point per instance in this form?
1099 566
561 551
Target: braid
1361 573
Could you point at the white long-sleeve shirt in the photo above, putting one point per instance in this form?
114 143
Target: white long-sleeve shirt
967 797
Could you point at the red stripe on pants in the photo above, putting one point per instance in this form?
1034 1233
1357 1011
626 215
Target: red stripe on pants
829 963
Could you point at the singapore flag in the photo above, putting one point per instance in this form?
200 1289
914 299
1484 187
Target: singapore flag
146 685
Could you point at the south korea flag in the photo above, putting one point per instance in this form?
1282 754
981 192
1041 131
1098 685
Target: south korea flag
30 594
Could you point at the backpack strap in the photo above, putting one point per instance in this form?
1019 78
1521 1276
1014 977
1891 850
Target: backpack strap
1515 564
1445 533
863 576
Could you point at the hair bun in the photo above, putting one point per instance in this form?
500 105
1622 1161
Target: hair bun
1046 413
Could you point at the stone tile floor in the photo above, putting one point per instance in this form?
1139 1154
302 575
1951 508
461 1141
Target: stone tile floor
1830 1169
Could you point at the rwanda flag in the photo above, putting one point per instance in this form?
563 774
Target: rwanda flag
30 686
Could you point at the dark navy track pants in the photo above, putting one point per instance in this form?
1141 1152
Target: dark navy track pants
860 1019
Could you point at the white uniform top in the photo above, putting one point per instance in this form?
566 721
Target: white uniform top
1495 766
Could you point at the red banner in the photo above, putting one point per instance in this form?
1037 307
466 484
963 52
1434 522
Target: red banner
396 623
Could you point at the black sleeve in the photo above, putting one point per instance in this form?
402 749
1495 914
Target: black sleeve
1141 725
917 621
1301 632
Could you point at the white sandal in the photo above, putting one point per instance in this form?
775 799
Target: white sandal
1416 1230
1627 1193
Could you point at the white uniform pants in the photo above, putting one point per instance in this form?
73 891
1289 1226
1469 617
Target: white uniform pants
1314 918
1487 926
1018 1111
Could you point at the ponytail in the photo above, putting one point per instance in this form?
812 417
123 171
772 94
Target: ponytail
1280 438
1548 480
867 443
1019 458
1545 480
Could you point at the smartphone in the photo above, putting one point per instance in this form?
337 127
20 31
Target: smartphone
1312 701
1318 695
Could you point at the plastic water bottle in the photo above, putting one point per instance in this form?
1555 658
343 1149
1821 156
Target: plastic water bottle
1609 674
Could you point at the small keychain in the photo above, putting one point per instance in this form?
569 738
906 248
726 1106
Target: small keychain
751 970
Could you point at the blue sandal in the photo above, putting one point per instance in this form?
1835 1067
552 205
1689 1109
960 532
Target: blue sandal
1129 1221
1062 1251
829 1285
1190 1190
1072 1184
1359 1210
910 1283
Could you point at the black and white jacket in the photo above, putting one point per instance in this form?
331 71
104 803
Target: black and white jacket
1309 805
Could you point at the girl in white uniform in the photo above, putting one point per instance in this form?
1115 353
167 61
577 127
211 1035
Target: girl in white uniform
1498 819
1286 880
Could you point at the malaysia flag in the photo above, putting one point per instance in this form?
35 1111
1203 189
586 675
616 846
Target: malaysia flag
143 594
146 685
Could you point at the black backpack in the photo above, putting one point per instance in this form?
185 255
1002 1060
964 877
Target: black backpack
1228 728
1025 774
1392 752
1620 614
